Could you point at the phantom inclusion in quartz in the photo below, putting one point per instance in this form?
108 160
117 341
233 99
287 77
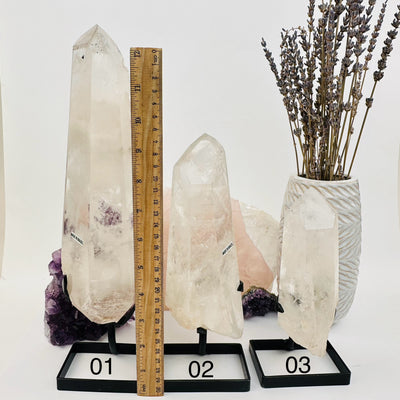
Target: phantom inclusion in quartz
97 248
203 273
308 287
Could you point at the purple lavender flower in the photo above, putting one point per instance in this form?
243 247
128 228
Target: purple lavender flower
258 302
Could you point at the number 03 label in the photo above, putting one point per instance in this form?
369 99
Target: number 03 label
296 362
301 365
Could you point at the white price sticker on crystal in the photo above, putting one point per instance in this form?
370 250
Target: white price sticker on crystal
226 250
77 238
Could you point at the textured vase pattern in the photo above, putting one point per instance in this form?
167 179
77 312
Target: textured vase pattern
344 198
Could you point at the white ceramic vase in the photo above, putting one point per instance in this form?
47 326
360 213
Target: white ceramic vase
344 198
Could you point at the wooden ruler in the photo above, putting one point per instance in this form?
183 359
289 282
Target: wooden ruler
146 107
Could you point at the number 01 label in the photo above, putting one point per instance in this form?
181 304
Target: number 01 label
103 366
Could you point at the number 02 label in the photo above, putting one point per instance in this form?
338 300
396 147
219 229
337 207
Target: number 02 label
209 367
203 370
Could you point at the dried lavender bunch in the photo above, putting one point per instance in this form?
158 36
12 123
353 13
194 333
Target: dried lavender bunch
321 77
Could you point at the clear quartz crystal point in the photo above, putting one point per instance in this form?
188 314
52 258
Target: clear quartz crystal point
2 189
203 273
97 248
308 287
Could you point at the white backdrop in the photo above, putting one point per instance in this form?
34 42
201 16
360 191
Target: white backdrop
216 80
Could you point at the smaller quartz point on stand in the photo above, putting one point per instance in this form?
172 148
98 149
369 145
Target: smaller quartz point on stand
2 189
308 287
203 273
97 248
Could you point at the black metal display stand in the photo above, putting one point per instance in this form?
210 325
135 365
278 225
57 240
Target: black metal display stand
342 377
208 385
94 385
171 385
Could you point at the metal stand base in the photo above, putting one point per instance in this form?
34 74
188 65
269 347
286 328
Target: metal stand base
170 385
322 379
94 385
209 385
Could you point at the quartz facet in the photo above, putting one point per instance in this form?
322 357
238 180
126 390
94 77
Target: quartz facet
203 274
97 250
308 287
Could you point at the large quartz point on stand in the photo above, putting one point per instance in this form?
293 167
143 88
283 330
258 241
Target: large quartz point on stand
308 288
203 273
97 249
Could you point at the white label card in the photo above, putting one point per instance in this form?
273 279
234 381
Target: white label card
176 366
103 366
77 238
211 366
296 362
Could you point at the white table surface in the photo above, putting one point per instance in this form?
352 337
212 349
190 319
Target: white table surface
367 340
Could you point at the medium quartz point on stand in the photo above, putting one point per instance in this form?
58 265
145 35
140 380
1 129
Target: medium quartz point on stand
308 288
203 273
97 250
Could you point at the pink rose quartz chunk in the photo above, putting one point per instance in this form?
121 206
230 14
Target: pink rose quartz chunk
254 269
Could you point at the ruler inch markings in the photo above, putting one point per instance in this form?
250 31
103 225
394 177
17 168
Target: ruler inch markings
146 121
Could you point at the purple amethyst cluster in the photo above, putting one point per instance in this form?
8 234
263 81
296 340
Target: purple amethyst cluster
258 302
64 324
